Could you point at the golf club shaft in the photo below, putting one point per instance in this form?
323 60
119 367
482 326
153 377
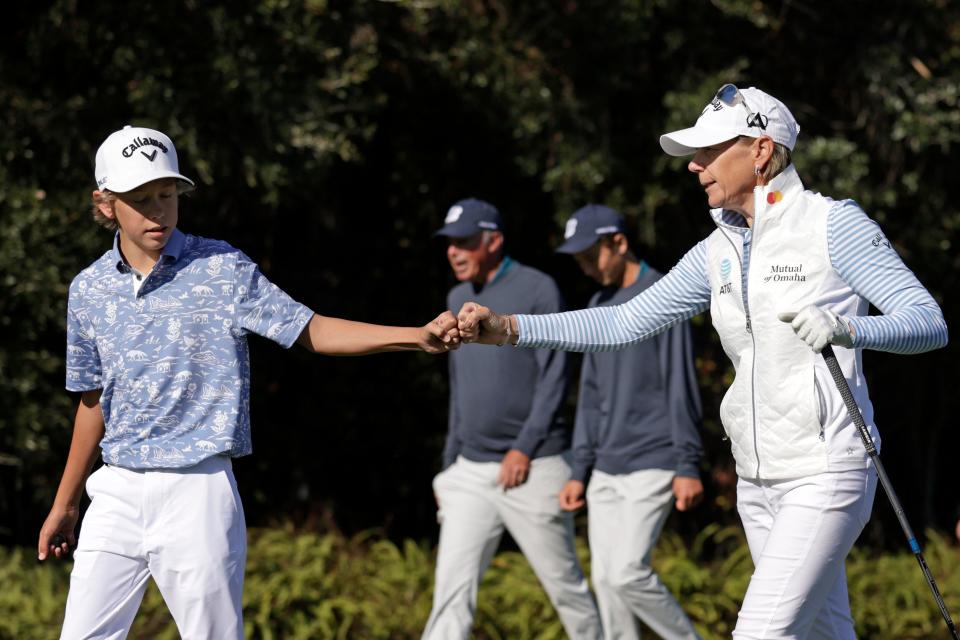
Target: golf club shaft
854 411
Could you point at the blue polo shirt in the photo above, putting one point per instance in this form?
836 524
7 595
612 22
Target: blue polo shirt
172 357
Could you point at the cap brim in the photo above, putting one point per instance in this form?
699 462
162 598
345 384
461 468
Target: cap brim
459 229
578 243
685 142
133 183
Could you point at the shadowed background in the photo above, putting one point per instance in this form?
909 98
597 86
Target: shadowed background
329 138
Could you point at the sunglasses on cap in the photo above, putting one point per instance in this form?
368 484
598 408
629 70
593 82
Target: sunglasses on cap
730 95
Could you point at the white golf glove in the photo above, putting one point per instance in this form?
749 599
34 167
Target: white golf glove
819 327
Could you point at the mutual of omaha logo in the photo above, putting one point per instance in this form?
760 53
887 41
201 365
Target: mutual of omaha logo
726 267
453 214
570 229
785 273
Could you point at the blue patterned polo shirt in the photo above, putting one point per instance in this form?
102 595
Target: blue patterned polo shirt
172 358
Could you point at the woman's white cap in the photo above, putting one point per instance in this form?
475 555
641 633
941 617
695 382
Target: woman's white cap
135 156
719 122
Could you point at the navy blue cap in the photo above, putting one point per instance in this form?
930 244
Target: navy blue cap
470 216
587 225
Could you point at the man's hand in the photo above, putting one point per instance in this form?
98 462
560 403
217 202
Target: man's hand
571 496
688 492
56 534
819 327
440 335
480 324
514 469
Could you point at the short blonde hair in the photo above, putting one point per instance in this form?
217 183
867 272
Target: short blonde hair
105 196
779 160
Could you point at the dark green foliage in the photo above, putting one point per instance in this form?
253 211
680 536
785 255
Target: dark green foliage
303 586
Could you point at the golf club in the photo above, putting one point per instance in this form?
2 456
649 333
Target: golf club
868 443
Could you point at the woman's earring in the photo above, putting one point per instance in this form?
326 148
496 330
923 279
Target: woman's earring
759 174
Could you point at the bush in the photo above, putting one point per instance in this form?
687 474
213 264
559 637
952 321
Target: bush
306 585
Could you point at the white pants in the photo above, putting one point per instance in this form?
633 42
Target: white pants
473 513
183 527
626 514
800 532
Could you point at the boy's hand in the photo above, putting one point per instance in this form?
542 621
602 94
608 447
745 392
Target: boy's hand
56 534
571 496
482 325
440 335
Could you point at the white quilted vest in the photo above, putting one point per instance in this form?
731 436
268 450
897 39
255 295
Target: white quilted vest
783 414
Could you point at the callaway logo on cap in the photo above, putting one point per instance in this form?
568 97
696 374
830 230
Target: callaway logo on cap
135 156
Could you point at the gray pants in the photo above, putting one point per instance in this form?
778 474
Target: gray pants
625 514
473 513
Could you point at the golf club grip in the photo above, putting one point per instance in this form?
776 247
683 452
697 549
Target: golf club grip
854 411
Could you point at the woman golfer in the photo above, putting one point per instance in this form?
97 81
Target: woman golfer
782 263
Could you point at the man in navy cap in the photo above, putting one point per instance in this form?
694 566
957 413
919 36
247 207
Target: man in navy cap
507 453
636 430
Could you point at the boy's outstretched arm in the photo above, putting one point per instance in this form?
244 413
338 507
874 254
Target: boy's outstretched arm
87 434
337 337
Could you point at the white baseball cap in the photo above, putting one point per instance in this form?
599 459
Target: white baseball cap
135 156
735 112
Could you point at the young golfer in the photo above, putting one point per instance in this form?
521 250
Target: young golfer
157 345
782 263
636 443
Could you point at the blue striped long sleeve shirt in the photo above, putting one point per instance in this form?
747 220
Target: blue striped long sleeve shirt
912 321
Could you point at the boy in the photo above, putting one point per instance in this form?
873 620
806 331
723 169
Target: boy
156 344
636 439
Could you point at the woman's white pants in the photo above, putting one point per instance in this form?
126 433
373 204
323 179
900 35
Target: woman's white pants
800 532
